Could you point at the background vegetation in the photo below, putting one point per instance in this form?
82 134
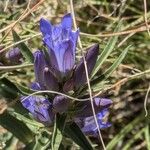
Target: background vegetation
128 86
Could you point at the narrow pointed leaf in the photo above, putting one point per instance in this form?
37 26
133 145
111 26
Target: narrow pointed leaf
137 136
8 89
56 138
57 131
147 137
74 132
23 48
116 63
112 68
16 127
106 52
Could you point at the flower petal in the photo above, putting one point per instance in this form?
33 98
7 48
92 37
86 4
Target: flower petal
56 33
40 108
60 51
85 108
50 80
45 27
88 125
91 57
66 21
39 65
60 104
102 102
74 38
68 60
35 86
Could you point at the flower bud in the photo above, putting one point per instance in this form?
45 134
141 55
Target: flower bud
60 104
14 56
80 74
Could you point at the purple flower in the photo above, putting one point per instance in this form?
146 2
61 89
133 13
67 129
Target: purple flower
44 76
55 69
85 108
85 119
35 86
14 56
90 57
40 108
88 125
61 42
60 104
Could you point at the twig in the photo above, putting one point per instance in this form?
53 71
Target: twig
6 5
23 16
87 77
145 101
139 29
122 81
10 68
21 41
145 17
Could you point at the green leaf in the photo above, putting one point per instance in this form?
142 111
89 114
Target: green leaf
112 68
24 90
8 89
16 127
56 138
27 120
147 137
57 131
23 48
41 142
106 52
74 132
116 63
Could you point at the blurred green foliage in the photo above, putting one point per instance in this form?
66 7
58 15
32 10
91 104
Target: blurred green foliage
98 21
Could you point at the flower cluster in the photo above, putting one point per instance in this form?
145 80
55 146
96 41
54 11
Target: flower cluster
55 69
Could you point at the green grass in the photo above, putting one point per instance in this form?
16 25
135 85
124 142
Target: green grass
130 129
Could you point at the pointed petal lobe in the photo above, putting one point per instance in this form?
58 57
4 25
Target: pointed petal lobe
91 57
45 27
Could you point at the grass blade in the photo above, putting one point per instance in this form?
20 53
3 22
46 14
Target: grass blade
123 132
147 137
133 139
57 135
116 63
106 52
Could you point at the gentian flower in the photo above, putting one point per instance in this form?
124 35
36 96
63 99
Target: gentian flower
85 119
40 108
56 70
85 108
88 125
79 76
61 42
